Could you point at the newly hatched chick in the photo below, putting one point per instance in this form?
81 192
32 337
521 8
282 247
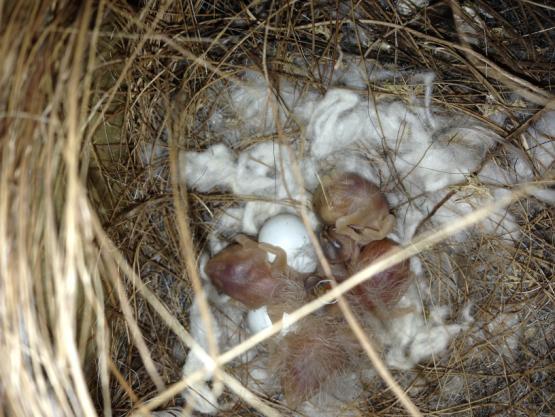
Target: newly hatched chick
346 258
355 206
309 358
243 272
386 288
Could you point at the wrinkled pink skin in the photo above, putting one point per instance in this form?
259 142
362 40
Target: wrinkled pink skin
382 291
385 289
243 272
355 206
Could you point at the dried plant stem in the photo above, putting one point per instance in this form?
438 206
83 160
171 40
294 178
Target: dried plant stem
530 91
187 247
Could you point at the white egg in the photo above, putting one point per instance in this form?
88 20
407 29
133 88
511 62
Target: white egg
287 231
258 320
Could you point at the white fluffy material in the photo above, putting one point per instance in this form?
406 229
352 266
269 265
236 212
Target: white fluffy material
507 327
339 120
419 339
357 74
446 160
408 7
426 158
208 170
226 321
537 159
470 26
541 142
264 171
499 223
199 395
253 107
412 337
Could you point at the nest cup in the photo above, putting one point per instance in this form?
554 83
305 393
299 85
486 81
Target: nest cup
102 231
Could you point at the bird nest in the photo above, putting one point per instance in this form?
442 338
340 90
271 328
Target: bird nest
123 128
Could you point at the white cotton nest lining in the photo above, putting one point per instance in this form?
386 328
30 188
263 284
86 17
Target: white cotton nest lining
270 144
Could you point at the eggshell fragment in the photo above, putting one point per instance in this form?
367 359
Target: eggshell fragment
258 320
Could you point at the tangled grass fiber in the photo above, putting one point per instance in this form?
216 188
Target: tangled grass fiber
97 257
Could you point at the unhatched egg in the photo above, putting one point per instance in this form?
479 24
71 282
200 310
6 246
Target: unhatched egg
287 232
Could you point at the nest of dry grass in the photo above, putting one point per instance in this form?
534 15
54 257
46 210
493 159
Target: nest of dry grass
94 280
